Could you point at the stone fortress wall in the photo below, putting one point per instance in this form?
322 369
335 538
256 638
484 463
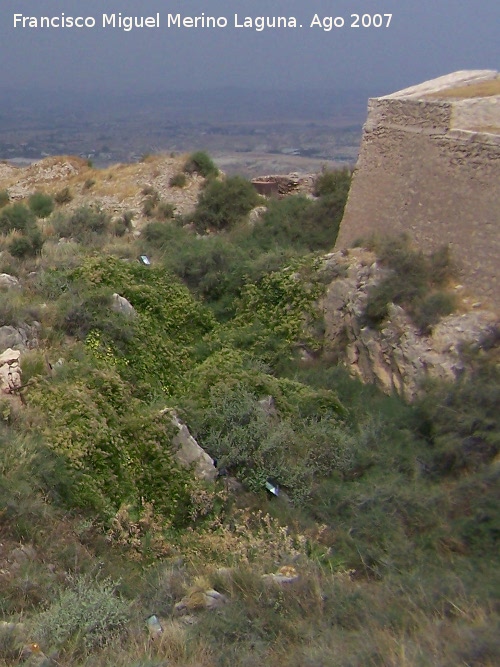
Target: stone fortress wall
429 165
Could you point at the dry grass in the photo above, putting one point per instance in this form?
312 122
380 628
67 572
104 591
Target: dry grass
58 255
172 648
116 188
481 89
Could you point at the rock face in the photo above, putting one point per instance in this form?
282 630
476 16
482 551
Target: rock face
189 453
396 357
10 371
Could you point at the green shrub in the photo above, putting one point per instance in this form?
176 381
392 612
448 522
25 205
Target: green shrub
4 198
82 224
323 218
20 247
377 305
12 309
201 163
94 313
16 217
272 314
410 283
335 182
283 224
223 203
24 462
89 184
86 616
150 191
63 196
41 204
112 449
441 266
160 235
432 308
119 227
123 224
294 448
461 421
127 218
300 223
165 211
178 180
27 246
168 323
148 207
212 268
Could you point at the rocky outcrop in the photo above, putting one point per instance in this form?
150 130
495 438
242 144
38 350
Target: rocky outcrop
22 337
118 188
395 357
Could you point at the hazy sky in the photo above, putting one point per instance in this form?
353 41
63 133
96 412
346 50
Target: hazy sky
426 38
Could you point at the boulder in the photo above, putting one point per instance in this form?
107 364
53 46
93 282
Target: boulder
121 305
8 282
200 600
10 371
189 453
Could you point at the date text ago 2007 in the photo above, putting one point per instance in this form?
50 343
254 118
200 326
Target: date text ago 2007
328 23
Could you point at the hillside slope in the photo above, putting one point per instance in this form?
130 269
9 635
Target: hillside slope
345 526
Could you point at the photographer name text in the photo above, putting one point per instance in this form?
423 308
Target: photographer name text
179 21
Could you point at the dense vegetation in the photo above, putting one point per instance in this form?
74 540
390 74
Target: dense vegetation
388 512
415 281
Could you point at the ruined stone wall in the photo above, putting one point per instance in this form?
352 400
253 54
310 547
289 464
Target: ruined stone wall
418 173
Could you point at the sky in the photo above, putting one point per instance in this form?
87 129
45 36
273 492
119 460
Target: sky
425 39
